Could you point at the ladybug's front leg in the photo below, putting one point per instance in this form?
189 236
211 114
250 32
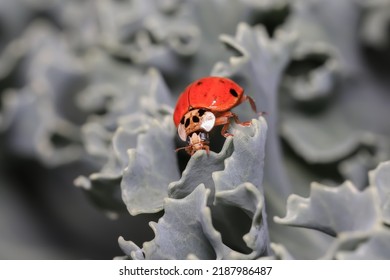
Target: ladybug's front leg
224 119
252 103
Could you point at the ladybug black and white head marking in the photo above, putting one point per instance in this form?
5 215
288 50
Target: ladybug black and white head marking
195 121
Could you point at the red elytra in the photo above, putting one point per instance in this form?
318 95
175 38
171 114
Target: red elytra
215 96
214 93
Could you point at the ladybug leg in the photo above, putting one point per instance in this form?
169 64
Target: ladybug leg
252 103
224 119
207 148
237 121
250 100
224 129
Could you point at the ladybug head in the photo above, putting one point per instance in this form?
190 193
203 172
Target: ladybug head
195 120
197 141
194 128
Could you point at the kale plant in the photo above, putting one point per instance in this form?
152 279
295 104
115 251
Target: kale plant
88 89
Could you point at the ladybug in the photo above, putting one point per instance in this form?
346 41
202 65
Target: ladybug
204 104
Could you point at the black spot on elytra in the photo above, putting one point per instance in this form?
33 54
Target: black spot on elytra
187 122
233 92
201 112
195 119
198 83
182 120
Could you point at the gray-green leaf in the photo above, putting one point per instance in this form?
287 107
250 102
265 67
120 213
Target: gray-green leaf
333 210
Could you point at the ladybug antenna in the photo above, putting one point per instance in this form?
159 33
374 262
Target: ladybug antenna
181 148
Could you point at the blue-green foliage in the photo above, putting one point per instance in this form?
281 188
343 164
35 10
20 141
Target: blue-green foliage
94 84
